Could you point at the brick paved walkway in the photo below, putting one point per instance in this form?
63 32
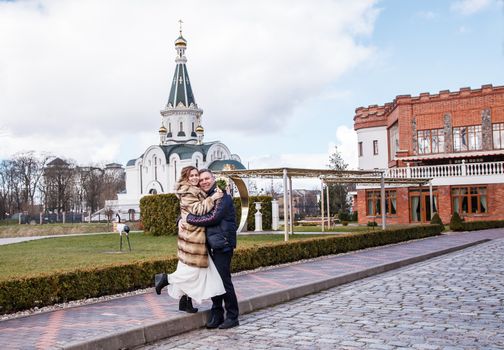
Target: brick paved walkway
451 302
144 318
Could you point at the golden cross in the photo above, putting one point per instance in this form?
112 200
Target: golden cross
180 23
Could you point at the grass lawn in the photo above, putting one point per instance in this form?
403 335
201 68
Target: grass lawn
70 253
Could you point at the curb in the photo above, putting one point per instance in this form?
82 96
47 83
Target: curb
160 330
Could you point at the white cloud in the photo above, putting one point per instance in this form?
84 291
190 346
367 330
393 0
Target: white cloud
102 70
469 7
428 15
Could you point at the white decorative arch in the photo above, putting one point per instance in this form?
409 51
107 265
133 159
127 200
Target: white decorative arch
154 186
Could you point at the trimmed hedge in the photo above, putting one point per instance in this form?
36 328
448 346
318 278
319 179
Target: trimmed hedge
481 225
22 294
160 213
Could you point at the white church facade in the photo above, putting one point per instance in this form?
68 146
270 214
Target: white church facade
180 144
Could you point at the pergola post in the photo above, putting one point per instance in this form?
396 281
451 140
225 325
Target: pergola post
382 186
328 208
285 208
431 201
322 202
291 217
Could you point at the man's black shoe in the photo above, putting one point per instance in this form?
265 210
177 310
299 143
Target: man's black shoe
215 322
228 323
160 281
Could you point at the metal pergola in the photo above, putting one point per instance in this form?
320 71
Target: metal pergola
326 176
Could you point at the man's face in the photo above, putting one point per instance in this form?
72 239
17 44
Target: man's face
206 181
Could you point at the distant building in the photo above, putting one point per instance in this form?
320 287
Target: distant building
456 138
180 144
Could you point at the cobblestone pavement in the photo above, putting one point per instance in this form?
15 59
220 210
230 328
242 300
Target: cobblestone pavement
451 302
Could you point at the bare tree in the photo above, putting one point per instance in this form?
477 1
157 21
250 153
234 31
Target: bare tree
57 186
28 169
10 199
100 183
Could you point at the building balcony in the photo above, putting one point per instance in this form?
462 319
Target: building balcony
453 174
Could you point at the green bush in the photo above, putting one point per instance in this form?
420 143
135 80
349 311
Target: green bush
22 294
343 216
436 220
265 210
354 216
344 223
372 223
482 225
456 223
159 214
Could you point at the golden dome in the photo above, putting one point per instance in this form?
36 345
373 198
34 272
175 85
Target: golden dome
180 41
162 130
199 128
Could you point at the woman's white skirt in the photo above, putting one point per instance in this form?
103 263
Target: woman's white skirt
196 282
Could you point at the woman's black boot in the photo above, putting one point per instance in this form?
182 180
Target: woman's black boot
185 304
160 281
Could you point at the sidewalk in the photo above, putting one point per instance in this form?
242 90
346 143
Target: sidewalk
144 318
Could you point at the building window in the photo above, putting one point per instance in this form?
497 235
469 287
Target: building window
375 147
360 149
373 202
469 200
430 141
467 138
498 136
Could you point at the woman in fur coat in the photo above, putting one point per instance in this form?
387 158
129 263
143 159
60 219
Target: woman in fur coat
196 276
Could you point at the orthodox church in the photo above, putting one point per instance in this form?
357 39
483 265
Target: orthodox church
180 144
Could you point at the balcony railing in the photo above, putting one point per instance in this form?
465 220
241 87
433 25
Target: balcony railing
447 170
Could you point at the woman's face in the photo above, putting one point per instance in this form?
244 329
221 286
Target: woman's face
194 177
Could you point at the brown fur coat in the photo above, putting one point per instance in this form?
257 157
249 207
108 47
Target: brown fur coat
191 241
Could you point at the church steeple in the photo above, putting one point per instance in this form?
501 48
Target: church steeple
181 91
181 116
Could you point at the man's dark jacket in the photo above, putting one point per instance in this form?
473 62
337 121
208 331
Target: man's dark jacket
220 223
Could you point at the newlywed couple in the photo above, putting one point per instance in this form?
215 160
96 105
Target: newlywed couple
206 240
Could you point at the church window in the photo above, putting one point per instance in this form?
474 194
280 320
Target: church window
360 149
181 127
192 126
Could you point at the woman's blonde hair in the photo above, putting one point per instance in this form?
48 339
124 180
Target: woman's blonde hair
184 174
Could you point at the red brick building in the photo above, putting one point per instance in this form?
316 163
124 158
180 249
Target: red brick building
455 138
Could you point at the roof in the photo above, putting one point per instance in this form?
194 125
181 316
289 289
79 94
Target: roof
181 91
57 162
186 151
453 155
132 161
326 175
231 164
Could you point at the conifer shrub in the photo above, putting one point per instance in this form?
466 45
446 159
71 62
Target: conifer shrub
436 220
456 223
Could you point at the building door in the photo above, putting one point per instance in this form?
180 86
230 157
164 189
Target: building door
420 208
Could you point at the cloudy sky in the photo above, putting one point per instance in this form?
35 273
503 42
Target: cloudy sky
278 81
